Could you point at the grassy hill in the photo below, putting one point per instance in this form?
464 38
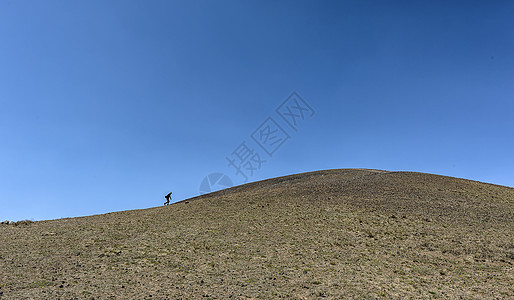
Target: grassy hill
328 234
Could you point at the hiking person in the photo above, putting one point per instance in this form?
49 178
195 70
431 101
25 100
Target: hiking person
168 198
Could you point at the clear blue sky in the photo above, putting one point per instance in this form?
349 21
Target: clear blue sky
108 105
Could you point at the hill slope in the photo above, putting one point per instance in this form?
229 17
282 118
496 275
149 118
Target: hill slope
332 234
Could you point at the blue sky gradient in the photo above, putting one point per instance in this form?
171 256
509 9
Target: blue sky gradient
109 105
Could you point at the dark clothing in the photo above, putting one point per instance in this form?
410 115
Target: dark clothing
168 198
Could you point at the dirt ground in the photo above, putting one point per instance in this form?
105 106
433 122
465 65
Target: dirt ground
333 234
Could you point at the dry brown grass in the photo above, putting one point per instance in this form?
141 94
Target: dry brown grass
329 234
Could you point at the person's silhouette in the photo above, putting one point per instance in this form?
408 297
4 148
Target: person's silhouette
168 198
